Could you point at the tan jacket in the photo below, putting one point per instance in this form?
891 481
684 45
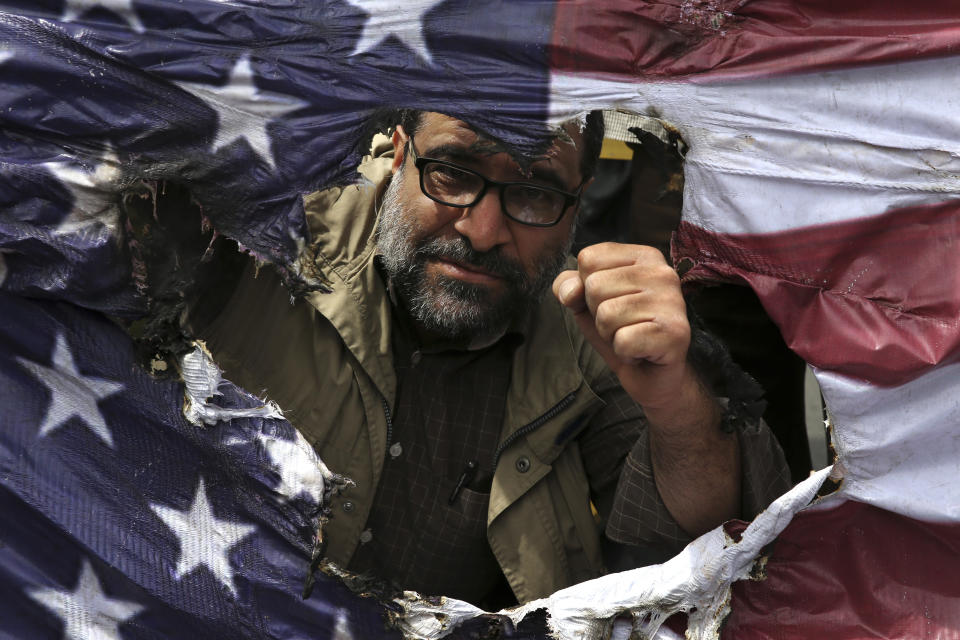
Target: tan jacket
327 361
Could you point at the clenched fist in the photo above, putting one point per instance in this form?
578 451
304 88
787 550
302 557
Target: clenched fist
627 302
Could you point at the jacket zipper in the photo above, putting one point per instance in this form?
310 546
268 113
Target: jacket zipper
565 402
386 414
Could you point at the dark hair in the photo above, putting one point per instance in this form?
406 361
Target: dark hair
592 131
410 120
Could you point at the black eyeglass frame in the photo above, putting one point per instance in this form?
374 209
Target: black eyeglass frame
419 162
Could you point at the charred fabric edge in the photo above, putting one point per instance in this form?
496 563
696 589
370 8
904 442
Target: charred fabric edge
174 246
202 379
171 239
176 254
724 378
696 581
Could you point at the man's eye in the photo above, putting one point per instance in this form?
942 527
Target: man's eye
448 175
533 195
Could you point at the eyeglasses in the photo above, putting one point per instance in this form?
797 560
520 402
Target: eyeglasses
456 186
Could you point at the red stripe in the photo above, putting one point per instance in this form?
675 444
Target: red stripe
874 298
853 572
672 39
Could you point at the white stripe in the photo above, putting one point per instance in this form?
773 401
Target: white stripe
899 447
776 153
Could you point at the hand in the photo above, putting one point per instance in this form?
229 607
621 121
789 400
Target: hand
627 302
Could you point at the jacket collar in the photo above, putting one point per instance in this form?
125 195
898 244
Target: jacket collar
342 221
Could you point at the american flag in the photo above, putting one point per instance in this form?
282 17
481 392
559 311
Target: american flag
822 170
253 103
121 519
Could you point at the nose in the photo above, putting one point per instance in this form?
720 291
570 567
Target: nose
484 224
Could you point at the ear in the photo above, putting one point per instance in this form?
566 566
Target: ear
399 141
584 187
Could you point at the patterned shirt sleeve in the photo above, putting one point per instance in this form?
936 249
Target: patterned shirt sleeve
616 454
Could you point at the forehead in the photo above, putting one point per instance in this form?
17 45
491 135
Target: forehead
562 157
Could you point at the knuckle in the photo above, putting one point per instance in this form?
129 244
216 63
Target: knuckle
675 334
646 251
647 255
626 344
588 257
639 278
562 277
593 281
596 255
607 317
594 289
664 273
670 275
681 332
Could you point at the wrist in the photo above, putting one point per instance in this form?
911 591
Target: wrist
691 411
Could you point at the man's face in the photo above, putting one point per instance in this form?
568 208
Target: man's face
463 272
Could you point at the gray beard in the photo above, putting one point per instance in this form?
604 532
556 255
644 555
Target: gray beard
449 307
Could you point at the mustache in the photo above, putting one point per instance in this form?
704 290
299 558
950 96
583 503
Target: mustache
458 249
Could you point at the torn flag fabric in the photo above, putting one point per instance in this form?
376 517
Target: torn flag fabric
822 171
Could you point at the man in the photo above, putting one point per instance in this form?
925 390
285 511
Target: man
495 437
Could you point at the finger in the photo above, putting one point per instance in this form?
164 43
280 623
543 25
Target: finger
610 255
568 289
615 313
588 328
619 281
653 342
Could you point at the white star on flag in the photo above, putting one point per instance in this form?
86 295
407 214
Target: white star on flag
385 20
243 111
94 197
87 613
71 392
204 539
301 471
123 8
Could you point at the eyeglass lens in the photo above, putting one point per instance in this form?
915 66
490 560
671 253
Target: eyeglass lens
523 202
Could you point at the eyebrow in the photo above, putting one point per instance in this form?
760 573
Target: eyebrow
457 153
450 152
